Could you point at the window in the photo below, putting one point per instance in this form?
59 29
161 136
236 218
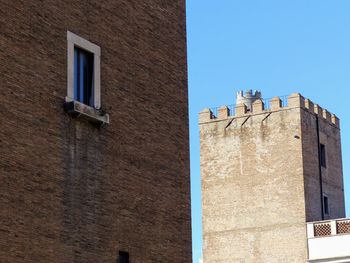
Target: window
325 205
83 98
83 71
323 155
83 76
123 257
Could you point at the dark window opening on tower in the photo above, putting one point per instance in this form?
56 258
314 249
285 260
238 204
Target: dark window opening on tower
325 205
83 76
123 257
323 155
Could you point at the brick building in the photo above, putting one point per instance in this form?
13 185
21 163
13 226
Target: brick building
267 168
94 132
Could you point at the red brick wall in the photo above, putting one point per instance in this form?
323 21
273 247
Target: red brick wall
74 192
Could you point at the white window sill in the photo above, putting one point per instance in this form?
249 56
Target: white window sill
80 110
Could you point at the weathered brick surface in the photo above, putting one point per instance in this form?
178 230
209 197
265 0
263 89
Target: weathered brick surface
260 182
74 192
332 174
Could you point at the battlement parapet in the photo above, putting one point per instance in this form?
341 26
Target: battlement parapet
259 106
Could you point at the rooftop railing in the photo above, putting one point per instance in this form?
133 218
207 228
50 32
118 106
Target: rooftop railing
328 228
284 101
231 110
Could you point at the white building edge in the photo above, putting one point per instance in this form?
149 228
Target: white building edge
329 241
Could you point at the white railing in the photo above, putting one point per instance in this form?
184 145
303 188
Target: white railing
328 228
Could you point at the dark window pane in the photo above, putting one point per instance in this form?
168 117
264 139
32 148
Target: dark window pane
83 76
325 204
323 155
123 257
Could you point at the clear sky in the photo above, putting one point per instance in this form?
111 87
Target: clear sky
276 46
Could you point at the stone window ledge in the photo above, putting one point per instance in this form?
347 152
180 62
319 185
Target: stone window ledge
79 110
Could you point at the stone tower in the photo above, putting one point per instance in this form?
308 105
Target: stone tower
265 173
99 173
248 98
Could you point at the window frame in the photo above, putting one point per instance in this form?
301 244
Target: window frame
73 41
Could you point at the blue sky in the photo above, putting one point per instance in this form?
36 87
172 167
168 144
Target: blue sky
276 46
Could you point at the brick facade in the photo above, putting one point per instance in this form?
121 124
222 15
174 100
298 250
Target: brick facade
71 191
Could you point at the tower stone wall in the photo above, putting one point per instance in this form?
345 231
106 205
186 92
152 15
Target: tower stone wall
332 174
260 179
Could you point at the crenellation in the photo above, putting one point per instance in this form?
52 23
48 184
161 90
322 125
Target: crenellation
326 115
295 100
335 120
223 112
205 115
309 105
241 109
318 110
275 103
258 106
